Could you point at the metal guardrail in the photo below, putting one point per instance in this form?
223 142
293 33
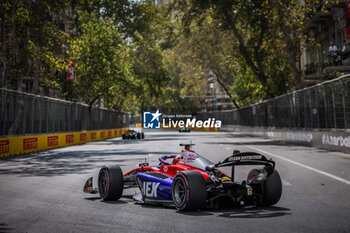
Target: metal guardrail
323 106
23 113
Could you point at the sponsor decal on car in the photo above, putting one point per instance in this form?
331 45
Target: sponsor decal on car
150 189
252 157
192 156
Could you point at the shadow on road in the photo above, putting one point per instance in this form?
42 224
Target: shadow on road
56 162
4 228
256 212
246 212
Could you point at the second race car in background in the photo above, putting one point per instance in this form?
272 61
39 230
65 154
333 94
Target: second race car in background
132 134
184 129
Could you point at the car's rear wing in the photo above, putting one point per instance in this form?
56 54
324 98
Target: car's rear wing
245 158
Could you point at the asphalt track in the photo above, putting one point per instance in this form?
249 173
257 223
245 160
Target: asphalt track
42 192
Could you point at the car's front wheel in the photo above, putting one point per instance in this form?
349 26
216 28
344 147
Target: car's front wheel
189 191
110 183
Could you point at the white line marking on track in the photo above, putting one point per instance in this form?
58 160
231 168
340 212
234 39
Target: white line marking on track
302 165
285 183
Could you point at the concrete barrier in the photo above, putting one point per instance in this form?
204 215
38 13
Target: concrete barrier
330 140
10 146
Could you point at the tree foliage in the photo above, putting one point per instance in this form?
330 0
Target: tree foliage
138 55
267 37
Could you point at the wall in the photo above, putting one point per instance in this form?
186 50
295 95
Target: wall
10 146
330 140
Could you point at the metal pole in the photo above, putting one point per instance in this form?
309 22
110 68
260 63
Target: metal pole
47 118
4 103
334 110
298 109
325 106
40 111
33 117
310 112
25 116
317 113
2 74
344 106
304 110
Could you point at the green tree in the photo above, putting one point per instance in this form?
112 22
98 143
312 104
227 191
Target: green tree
102 67
31 42
267 36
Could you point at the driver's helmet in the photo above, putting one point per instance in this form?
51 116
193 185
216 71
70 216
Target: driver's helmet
176 160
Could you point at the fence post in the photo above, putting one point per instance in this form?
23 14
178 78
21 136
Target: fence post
40 112
325 105
310 112
4 110
33 116
334 110
344 106
304 106
318 115
24 114
47 117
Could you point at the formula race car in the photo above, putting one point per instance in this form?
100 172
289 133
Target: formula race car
191 182
184 129
132 134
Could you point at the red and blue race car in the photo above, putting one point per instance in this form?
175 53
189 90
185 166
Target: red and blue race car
190 181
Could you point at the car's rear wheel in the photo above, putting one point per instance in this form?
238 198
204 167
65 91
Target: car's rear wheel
189 191
123 136
110 183
271 187
142 135
138 135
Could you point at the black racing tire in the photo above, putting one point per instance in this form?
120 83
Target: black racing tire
110 183
271 188
189 191
123 136
189 130
138 135
142 135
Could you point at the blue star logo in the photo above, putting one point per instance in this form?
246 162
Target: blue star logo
151 120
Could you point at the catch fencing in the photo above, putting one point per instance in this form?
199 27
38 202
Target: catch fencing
23 113
323 106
